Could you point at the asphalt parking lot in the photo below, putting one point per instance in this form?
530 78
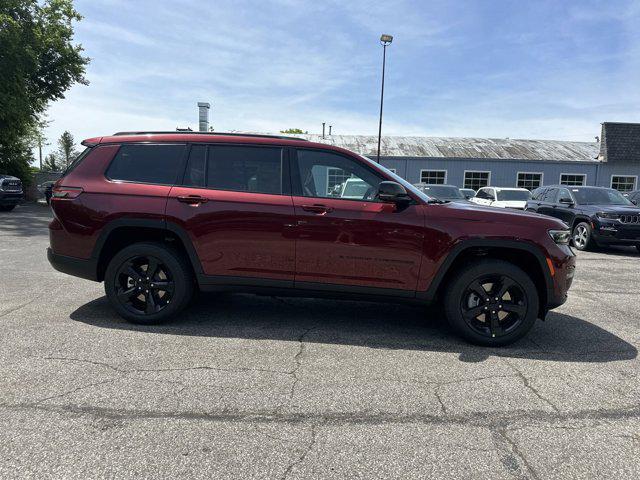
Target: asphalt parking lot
260 387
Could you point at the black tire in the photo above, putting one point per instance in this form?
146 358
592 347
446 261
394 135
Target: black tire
7 208
497 322
154 299
638 248
581 236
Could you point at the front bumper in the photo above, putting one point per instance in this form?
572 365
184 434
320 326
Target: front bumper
564 267
613 232
78 267
10 198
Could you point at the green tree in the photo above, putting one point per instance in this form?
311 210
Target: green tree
51 164
66 149
293 130
38 63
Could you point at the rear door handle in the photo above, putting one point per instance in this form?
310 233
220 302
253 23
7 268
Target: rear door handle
192 199
319 209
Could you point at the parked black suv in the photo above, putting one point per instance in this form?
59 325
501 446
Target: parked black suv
596 215
11 192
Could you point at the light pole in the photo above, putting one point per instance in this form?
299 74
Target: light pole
384 41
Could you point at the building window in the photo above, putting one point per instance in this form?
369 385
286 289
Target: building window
438 177
573 179
476 180
623 183
529 180
335 178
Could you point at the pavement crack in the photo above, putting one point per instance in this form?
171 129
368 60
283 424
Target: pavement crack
511 456
70 392
527 384
297 359
303 455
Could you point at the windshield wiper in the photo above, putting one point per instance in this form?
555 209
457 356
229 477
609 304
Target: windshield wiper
437 200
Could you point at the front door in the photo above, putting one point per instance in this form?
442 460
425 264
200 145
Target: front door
346 240
234 203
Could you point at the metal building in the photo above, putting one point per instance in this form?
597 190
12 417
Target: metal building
477 162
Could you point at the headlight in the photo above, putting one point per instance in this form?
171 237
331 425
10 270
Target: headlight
610 216
561 237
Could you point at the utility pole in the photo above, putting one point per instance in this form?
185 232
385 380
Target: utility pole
384 41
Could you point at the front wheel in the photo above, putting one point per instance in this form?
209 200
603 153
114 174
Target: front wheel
491 303
148 283
582 236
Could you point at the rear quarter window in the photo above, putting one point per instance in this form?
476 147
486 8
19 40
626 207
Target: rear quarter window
144 163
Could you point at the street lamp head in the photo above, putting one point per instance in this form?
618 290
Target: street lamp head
386 39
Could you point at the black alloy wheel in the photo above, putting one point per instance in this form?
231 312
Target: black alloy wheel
144 285
149 283
491 302
494 305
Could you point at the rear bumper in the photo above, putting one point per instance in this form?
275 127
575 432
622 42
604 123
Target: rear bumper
78 267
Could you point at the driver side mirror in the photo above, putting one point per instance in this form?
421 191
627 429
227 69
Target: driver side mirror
392 192
566 201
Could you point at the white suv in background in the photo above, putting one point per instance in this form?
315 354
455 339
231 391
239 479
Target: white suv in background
502 197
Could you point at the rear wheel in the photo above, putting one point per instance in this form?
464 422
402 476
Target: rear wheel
148 283
7 208
582 236
491 303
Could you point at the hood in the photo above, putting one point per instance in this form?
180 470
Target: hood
474 212
625 209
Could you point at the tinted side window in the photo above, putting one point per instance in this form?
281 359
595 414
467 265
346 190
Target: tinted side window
146 163
196 165
550 195
538 194
245 169
324 174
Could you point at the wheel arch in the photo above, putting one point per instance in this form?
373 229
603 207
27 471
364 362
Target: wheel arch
126 231
524 255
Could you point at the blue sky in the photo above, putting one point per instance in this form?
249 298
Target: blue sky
539 69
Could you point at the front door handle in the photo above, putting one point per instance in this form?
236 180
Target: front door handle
192 199
319 209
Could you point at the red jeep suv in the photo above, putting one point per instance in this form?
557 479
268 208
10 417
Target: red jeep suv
156 215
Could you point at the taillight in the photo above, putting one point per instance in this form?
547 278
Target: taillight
66 192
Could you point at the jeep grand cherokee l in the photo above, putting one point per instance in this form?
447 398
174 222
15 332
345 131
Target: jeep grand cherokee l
157 215
597 216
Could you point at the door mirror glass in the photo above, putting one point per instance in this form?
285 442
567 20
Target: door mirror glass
392 192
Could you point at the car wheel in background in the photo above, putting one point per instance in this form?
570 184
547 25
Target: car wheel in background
491 302
582 236
148 283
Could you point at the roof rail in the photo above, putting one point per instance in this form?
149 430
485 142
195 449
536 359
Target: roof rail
225 134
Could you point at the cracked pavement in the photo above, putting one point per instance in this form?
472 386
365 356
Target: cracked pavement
259 387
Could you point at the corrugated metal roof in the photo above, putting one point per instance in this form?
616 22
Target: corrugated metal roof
451 147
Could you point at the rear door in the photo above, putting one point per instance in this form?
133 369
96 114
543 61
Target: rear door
235 204
346 240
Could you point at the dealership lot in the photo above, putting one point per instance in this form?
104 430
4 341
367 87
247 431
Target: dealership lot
262 387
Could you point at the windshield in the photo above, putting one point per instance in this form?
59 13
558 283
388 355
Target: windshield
443 192
513 195
599 196
397 178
